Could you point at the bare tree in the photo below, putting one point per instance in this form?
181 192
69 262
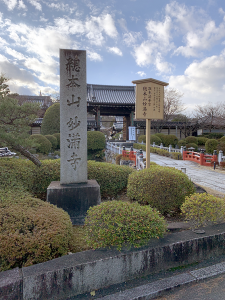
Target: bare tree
210 115
172 103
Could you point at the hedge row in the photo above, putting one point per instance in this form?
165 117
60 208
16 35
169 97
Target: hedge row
24 174
174 155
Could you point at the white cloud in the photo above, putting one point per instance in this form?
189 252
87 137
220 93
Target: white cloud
123 24
221 11
36 4
202 39
94 56
115 50
162 66
144 53
14 53
159 32
21 5
131 38
202 81
3 42
11 4
141 73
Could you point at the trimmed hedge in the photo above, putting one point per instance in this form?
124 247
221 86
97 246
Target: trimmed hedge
163 188
53 141
155 139
95 140
181 143
211 145
31 231
203 209
57 135
118 223
24 174
193 145
191 139
142 138
43 144
51 120
111 178
202 140
162 152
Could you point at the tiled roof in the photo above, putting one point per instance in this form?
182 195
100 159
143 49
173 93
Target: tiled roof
110 94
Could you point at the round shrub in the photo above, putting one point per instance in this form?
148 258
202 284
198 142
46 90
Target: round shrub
203 209
43 144
221 146
118 223
192 145
95 140
202 140
51 120
31 231
53 141
191 139
163 188
222 139
155 139
162 137
142 138
111 178
170 139
211 145
181 143
57 135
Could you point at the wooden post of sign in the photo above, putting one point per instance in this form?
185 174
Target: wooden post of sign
149 105
148 135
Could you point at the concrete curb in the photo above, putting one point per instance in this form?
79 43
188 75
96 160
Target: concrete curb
86 271
157 288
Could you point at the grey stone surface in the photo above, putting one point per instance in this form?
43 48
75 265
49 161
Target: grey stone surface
76 198
84 272
209 271
152 290
11 285
73 116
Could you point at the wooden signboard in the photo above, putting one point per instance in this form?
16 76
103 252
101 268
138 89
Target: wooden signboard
149 105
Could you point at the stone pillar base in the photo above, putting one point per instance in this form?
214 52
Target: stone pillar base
74 198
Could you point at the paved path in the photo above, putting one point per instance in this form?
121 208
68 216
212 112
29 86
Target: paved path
203 176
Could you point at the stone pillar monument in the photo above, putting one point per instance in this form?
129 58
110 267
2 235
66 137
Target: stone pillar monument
74 193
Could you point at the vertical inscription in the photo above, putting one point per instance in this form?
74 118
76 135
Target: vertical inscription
73 112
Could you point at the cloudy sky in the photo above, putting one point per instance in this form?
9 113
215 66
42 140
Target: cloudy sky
180 42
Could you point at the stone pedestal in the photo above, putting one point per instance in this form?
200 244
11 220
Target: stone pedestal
74 198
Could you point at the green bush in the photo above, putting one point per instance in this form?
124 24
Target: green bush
191 139
51 120
215 135
176 155
211 145
23 174
142 138
170 139
95 140
193 145
31 231
161 187
155 139
181 143
221 146
118 223
201 141
222 139
53 141
161 136
43 144
139 146
203 209
111 178
57 135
